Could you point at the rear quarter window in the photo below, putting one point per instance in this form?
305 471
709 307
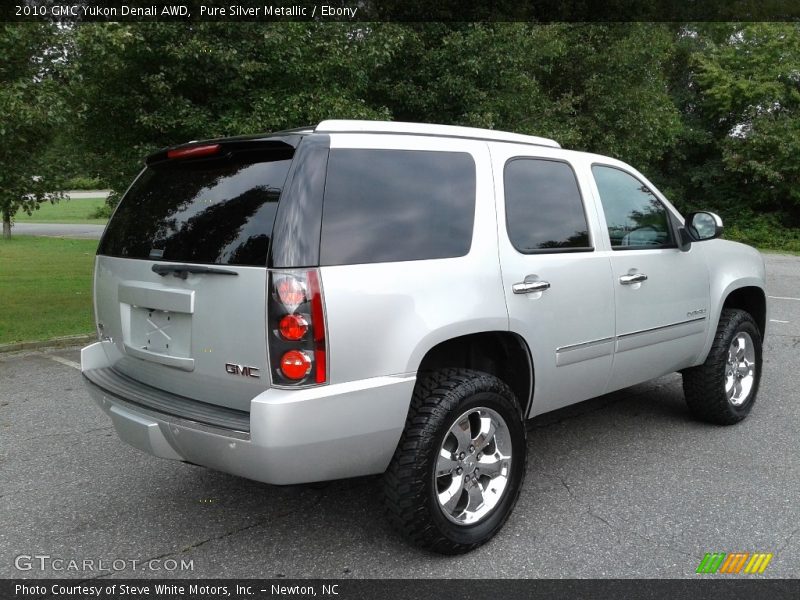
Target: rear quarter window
397 205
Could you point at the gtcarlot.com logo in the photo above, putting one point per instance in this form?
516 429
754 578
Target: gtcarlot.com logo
734 563
45 562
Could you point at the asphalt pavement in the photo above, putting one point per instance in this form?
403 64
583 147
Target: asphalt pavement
70 230
626 485
90 232
81 194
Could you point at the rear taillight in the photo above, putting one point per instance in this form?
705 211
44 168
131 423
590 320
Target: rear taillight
293 327
295 365
291 291
296 334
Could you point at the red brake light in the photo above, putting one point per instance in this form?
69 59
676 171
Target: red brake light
293 327
318 326
295 364
193 151
296 335
291 292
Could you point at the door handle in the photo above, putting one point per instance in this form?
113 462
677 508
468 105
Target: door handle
634 278
528 287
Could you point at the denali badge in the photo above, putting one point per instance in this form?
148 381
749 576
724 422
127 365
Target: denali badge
234 369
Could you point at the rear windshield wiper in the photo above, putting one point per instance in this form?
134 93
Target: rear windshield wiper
183 271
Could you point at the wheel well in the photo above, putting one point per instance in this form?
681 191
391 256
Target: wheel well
500 353
752 300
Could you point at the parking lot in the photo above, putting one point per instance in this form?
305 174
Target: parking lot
626 485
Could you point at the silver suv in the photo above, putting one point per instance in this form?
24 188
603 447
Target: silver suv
367 297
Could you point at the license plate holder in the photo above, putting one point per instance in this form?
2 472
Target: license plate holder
161 331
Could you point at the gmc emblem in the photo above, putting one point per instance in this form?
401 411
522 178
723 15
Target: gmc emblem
242 370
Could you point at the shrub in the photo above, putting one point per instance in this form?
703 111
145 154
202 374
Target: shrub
84 183
102 212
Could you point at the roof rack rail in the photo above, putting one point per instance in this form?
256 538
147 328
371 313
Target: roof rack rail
396 127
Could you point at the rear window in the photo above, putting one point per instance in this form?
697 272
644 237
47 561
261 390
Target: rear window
397 205
213 211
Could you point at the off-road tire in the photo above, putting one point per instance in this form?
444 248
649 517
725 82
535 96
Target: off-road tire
409 490
704 385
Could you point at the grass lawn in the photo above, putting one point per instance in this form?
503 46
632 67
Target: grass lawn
45 288
77 210
772 251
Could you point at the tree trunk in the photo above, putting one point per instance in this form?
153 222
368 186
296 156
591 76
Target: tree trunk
6 225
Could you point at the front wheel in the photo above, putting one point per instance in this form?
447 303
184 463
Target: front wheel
460 463
723 389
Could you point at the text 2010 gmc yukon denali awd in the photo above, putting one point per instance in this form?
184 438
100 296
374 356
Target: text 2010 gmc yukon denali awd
366 297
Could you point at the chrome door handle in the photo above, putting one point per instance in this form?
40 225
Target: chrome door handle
635 278
528 287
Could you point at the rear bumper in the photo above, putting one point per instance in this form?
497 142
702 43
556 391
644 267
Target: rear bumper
295 436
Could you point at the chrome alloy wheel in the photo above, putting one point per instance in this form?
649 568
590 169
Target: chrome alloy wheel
740 370
473 466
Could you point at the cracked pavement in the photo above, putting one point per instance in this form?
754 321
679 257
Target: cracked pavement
626 485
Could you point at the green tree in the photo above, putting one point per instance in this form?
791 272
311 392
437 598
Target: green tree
29 112
138 87
737 87
591 87
750 85
709 111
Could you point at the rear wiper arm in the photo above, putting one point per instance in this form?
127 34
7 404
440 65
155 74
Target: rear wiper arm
183 271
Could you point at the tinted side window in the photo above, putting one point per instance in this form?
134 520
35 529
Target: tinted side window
544 209
636 218
397 205
218 211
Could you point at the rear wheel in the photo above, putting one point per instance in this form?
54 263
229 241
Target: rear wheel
723 389
459 466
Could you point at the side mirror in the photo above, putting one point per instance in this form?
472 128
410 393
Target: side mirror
704 226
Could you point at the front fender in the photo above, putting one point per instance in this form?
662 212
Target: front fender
731 266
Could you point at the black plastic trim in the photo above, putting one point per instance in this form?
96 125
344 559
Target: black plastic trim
295 236
129 390
230 144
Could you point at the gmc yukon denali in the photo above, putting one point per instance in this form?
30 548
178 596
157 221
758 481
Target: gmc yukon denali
364 298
